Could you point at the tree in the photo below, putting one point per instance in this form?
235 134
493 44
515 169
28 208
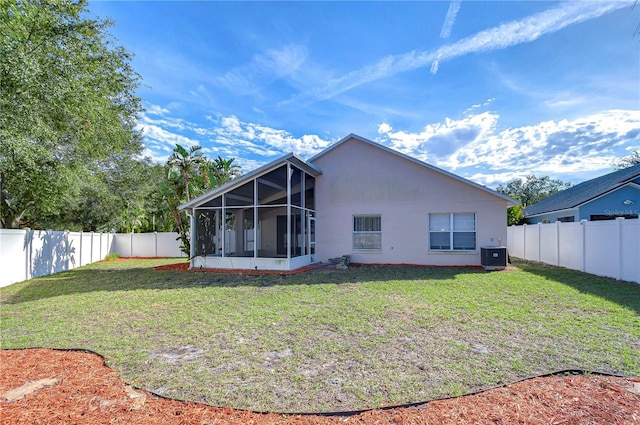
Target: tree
628 161
532 189
529 191
222 171
187 163
190 173
68 108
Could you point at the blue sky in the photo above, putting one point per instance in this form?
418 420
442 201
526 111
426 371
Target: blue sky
488 90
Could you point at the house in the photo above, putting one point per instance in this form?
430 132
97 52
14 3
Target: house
604 198
356 197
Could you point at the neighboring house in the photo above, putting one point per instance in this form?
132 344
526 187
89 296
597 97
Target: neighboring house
356 197
604 198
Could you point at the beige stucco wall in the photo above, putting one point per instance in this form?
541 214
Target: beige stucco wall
358 178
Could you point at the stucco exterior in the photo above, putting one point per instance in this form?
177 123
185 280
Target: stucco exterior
276 222
361 178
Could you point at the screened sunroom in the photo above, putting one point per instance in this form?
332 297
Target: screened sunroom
264 220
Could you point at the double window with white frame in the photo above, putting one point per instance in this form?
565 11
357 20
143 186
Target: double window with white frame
367 233
452 232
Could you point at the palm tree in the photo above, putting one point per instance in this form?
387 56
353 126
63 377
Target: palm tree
222 171
186 163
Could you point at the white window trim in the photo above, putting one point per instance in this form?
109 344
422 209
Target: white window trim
354 232
451 232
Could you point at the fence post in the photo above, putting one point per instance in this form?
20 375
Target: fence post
27 253
539 241
524 241
558 223
91 248
583 223
130 244
156 244
80 250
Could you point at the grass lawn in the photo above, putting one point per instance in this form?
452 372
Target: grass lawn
328 339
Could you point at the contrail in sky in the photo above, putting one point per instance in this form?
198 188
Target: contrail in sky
509 34
447 25
450 19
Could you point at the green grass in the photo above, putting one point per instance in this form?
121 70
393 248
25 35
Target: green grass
328 339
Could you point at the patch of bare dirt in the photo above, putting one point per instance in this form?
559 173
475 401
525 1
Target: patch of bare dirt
76 387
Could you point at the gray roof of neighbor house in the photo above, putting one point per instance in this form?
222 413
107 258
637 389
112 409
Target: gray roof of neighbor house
584 192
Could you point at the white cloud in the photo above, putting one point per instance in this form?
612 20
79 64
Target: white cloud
156 110
441 141
159 137
267 141
475 147
505 35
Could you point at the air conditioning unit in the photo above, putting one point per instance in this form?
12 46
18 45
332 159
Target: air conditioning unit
493 257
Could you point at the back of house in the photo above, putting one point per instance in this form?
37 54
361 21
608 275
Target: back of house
382 207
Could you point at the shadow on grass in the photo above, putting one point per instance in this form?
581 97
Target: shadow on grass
87 280
626 294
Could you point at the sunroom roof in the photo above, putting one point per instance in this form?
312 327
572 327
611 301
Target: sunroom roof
227 187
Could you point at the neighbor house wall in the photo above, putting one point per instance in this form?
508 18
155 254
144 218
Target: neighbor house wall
552 217
361 179
612 203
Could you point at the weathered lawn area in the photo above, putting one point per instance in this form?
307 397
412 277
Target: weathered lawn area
327 339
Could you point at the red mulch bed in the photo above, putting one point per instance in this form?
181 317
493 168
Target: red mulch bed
87 392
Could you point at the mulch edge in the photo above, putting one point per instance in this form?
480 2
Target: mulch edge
347 413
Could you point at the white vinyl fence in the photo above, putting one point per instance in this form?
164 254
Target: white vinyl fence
604 248
25 254
147 245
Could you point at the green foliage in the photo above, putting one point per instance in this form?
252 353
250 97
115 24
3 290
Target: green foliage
532 189
628 161
192 174
112 256
67 112
514 215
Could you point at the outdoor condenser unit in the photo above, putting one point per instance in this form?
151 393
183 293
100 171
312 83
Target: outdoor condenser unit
493 258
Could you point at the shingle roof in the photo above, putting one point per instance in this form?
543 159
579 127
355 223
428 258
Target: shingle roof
583 192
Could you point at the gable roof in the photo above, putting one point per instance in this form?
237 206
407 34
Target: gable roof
584 192
290 157
510 201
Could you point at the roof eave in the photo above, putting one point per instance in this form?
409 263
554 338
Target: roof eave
290 157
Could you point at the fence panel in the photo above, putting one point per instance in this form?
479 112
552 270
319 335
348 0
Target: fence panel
169 245
13 262
604 248
630 247
25 253
144 245
532 243
549 243
601 248
570 245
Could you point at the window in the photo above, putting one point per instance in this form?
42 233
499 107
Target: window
367 232
452 232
